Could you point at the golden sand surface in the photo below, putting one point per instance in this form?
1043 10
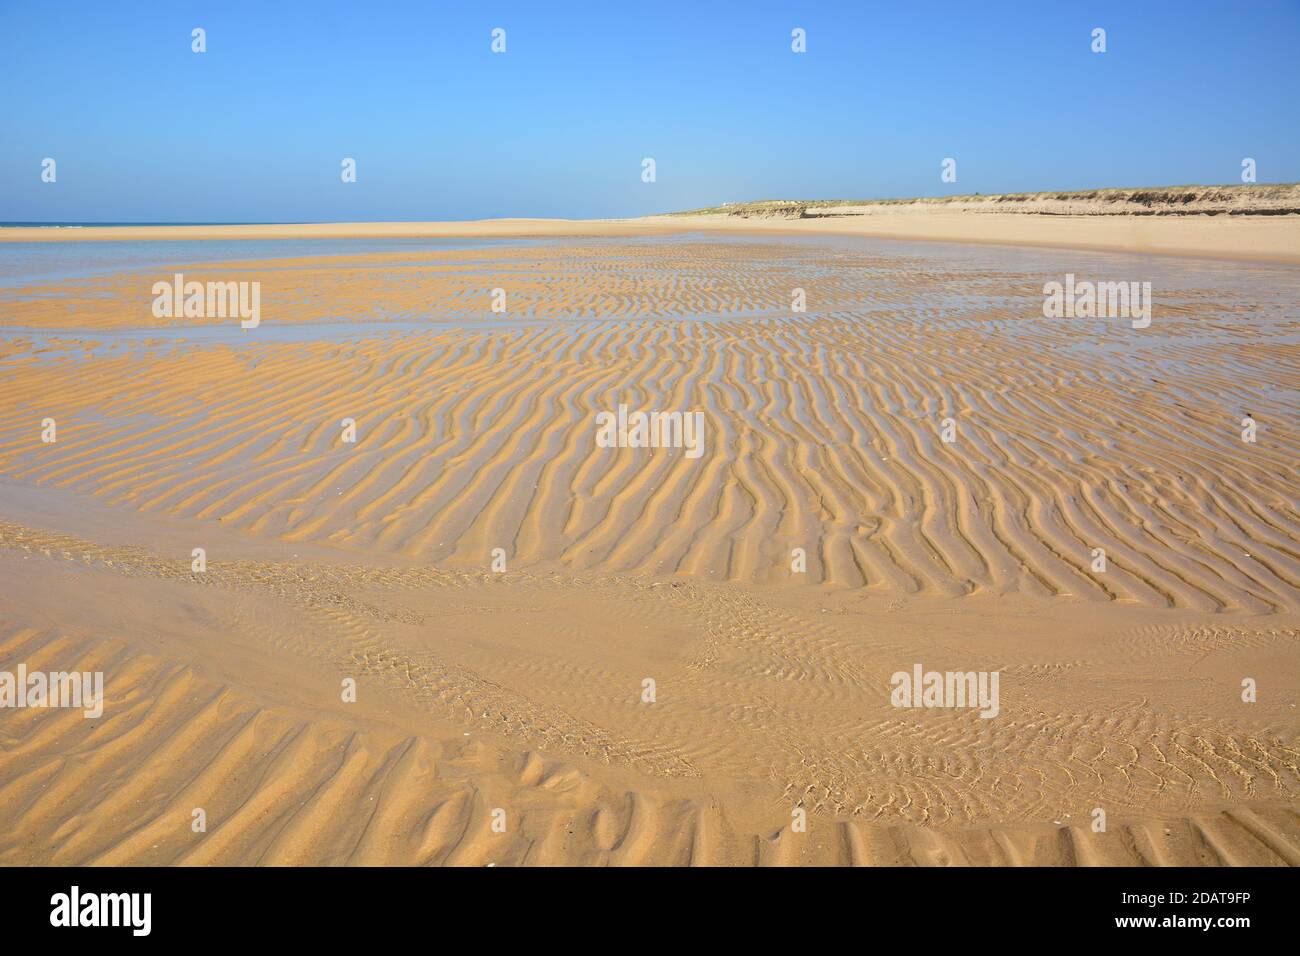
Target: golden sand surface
1260 238
522 690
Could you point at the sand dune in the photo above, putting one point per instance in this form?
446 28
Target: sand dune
521 690
1260 199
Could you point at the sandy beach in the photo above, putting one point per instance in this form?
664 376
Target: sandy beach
915 469
1241 238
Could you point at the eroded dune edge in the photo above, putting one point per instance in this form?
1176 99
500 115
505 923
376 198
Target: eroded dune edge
522 691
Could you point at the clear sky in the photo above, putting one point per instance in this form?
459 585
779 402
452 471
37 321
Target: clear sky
255 129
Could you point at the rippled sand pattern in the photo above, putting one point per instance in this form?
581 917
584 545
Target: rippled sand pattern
522 690
823 429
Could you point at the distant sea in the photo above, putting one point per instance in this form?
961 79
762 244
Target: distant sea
22 263
82 225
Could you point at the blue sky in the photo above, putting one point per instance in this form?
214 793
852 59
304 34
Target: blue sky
254 129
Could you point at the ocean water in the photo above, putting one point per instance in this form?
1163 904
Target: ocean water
31 263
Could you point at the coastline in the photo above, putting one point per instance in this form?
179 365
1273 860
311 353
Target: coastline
1250 238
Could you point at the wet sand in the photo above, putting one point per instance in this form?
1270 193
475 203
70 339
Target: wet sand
522 690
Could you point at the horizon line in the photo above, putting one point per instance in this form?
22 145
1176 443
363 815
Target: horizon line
949 197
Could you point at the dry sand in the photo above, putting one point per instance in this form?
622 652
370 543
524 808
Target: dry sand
1258 223
522 691
1270 239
